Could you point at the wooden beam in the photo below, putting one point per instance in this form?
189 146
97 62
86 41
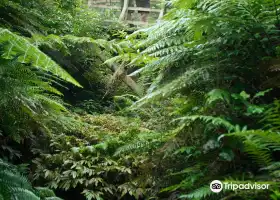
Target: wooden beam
144 9
90 2
136 22
104 6
129 8
129 22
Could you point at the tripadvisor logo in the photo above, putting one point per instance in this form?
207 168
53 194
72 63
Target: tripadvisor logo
217 186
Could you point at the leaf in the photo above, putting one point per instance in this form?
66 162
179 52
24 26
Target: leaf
254 109
262 93
75 149
27 53
171 188
198 193
217 94
244 95
227 154
102 145
47 173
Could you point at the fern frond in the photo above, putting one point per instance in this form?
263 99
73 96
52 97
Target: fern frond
24 194
272 117
143 143
216 121
190 77
259 144
53 198
51 101
272 166
17 45
13 186
261 154
199 193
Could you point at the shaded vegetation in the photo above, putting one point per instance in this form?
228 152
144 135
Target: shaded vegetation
89 110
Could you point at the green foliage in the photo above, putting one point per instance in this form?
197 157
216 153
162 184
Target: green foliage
275 195
54 17
25 96
216 121
203 45
16 45
206 113
13 185
28 77
46 193
95 159
199 193
217 94
271 118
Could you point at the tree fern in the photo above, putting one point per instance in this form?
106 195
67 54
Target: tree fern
102 50
17 45
26 95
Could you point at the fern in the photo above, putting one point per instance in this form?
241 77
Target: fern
216 121
196 35
14 186
271 118
46 193
217 94
53 198
102 50
192 75
26 95
199 193
144 142
17 45
259 144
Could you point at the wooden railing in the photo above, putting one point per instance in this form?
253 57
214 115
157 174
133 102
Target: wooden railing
116 5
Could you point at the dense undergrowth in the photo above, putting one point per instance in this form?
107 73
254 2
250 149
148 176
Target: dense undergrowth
89 110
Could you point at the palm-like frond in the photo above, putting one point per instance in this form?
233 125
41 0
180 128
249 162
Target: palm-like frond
15 45
26 95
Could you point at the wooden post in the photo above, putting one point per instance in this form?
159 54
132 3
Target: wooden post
161 14
124 10
89 3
